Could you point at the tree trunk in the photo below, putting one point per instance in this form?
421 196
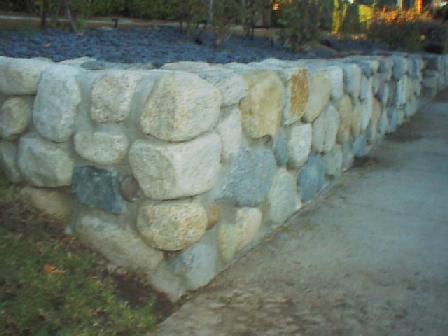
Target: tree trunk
69 15
43 15
400 4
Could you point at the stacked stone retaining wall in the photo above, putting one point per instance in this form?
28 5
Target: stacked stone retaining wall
175 172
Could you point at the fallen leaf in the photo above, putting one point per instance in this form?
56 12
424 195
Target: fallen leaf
50 269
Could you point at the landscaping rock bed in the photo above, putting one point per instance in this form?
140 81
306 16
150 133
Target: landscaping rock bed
156 45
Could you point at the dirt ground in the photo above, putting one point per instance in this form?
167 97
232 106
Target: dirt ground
371 258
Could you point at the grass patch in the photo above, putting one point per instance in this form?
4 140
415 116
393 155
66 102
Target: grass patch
50 284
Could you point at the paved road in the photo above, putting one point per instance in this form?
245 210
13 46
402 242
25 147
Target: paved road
370 259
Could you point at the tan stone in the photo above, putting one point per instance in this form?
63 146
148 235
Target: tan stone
345 110
172 226
180 107
261 109
234 237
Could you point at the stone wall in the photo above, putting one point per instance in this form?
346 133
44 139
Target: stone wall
176 172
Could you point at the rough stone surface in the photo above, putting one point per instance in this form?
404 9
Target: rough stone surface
366 111
319 87
213 214
15 116
299 144
234 237
168 171
400 67
283 198
347 156
56 103
352 79
249 179
43 163
261 109
232 86
120 245
172 226
297 94
366 87
383 93
101 147
360 146
372 130
345 109
112 95
281 148
53 203
333 161
180 107
311 178
336 77
98 188
325 129
198 264
356 119
20 76
129 188
230 133
8 161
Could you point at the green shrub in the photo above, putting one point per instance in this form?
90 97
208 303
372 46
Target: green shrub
301 22
401 30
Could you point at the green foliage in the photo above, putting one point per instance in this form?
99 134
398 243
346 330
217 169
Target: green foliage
52 285
223 17
301 22
351 18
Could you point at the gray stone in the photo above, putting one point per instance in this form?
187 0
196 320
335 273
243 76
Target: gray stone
93 64
366 87
56 104
169 171
98 188
43 163
360 146
393 119
180 107
198 264
325 129
230 133
311 178
112 94
15 116
400 67
299 144
119 244
54 203
101 147
21 76
283 198
281 148
352 79
356 119
172 226
8 161
347 156
333 161
249 179
336 77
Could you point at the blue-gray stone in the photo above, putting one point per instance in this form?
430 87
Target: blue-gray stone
281 149
393 120
98 188
399 68
360 146
249 179
311 178
198 264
